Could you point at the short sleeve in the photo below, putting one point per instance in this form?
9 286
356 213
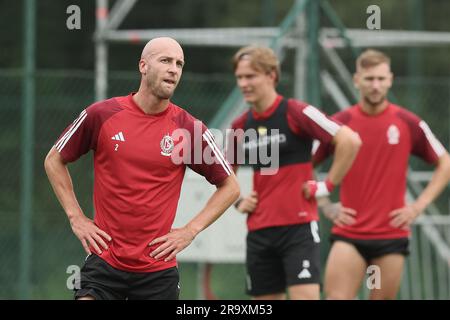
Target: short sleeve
82 134
212 163
425 144
309 121
77 138
322 150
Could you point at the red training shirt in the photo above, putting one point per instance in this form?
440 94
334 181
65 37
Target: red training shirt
137 184
280 198
376 183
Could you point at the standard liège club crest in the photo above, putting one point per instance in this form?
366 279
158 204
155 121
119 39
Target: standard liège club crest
393 134
166 145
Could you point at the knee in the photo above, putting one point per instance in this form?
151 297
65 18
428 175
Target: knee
338 295
87 297
374 295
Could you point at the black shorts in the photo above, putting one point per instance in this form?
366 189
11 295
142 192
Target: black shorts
103 282
371 249
279 257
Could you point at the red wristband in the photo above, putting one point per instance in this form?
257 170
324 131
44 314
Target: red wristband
329 184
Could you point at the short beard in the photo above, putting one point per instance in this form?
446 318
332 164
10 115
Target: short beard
160 94
374 104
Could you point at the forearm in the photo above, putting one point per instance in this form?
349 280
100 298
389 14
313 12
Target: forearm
61 182
347 146
324 203
225 195
438 182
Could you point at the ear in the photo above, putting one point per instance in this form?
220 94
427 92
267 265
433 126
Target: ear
391 79
143 66
273 76
356 80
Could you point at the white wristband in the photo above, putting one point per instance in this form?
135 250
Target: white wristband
322 190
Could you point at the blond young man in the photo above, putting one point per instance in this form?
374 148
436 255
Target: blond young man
371 227
283 241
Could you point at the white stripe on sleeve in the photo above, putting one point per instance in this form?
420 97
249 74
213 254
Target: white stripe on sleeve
61 140
319 118
438 148
208 138
72 131
315 146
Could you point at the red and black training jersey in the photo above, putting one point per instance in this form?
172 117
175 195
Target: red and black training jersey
137 182
280 199
376 183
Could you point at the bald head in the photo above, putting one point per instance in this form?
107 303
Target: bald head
157 45
161 66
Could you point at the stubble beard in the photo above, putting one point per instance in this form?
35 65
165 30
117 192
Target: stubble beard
158 90
373 103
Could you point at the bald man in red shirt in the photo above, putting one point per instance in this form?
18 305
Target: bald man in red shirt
130 243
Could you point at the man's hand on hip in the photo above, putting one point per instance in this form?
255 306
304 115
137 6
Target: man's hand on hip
89 234
247 204
172 243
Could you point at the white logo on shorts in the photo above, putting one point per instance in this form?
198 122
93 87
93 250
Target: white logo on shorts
305 274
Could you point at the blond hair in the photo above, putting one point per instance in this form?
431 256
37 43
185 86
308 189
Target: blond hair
262 59
371 58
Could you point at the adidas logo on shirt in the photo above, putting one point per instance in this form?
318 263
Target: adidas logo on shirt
118 137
